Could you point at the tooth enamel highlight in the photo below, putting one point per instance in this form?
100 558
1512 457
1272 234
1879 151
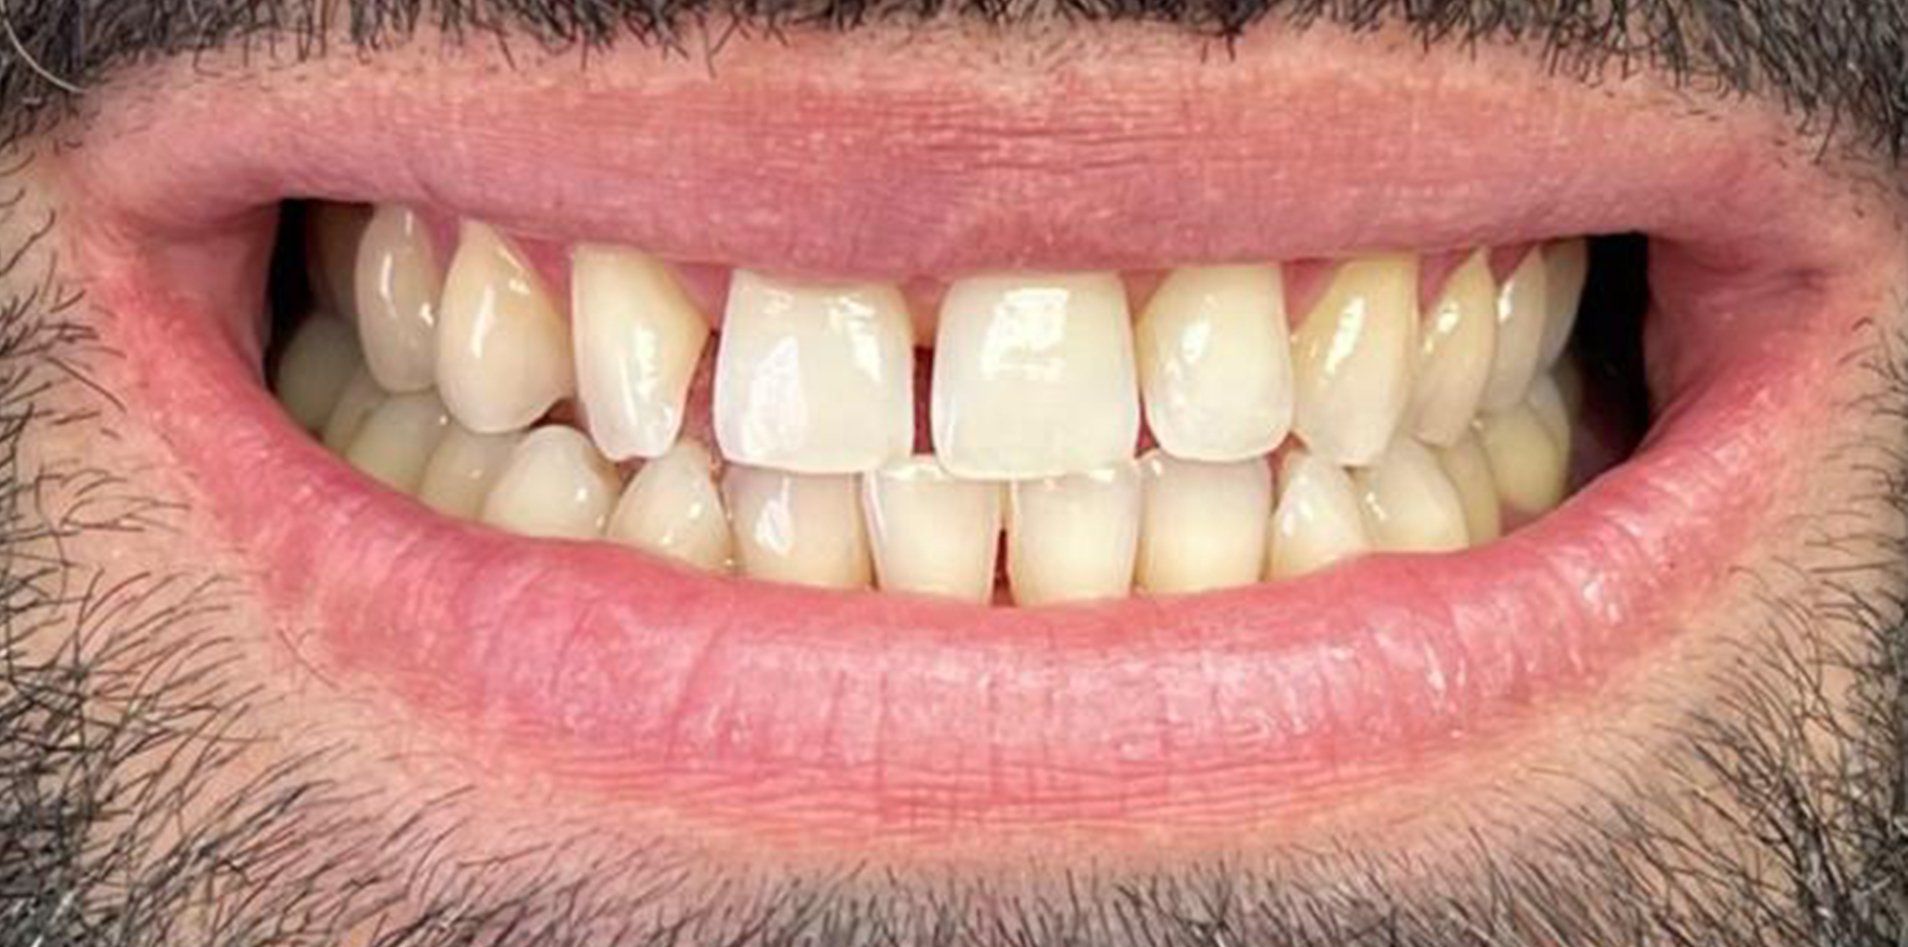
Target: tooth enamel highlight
555 485
814 378
672 508
1568 263
1409 503
1034 376
1215 362
360 397
314 370
503 351
638 339
397 285
932 534
803 529
1203 525
1455 343
396 440
331 235
1074 538
1351 359
462 470
1318 520
1521 302
1531 469
1470 472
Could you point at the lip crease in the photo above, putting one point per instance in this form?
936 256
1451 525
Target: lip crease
823 715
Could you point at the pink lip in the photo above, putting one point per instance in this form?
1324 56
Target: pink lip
824 715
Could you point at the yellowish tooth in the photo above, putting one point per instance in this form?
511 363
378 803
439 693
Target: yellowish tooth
396 440
1568 263
1455 343
360 397
1074 538
673 509
1203 525
1034 376
1470 471
1529 466
1521 301
462 470
1410 504
1215 362
503 350
315 369
1317 521
398 283
803 529
932 534
638 340
331 234
1352 357
554 485
814 378
1547 400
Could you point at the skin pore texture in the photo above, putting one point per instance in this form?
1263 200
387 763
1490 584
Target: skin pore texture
174 772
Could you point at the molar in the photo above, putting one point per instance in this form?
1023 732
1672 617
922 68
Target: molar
314 370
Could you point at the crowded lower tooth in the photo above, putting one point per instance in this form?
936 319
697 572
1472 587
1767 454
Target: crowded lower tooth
803 529
1568 263
637 339
314 370
1351 359
554 485
672 508
1317 521
1034 376
395 441
1529 466
462 470
398 283
1215 362
1522 300
932 534
814 378
1410 504
1455 343
1203 525
1074 538
1470 471
361 396
503 350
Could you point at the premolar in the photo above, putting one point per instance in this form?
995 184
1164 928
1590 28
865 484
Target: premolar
396 439
1568 267
555 485
638 339
314 370
397 284
1410 503
1521 302
463 469
1455 344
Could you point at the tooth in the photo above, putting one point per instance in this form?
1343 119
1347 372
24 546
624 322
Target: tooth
1547 400
1033 376
554 485
1074 538
315 369
932 533
1203 525
1568 263
1455 342
331 234
1351 359
1530 467
638 339
503 351
360 397
672 508
814 378
1215 362
1317 521
1521 301
462 470
1410 505
803 529
396 440
398 282
1470 471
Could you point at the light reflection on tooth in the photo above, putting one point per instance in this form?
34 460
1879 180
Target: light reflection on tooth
360 397
1203 525
1531 469
1521 301
331 238
672 508
396 440
1352 356
554 485
462 470
397 286
1215 362
503 351
1074 538
1455 342
1410 504
932 534
814 378
316 367
1317 521
1470 471
1568 263
638 339
803 529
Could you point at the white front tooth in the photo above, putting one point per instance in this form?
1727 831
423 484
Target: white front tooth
314 370
1410 504
672 508
1547 400
1455 344
814 378
1074 538
638 339
1215 362
1521 301
331 241
462 470
1033 376
554 485
1470 471
1317 521
360 397
803 529
396 440
398 284
932 533
1529 466
503 351
1568 263
1203 525
1351 359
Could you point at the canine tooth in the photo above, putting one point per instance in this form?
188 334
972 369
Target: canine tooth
1568 267
331 234
1351 359
803 529
1317 521
672 508
1074 538
503 351
462 470
932 533
1530 467
1455 343
1033 376
814 378
638 339
360 397
396 440
554 485
1470 471
1215 362
1203 525
397 286
1410 504
1521 301
315 369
